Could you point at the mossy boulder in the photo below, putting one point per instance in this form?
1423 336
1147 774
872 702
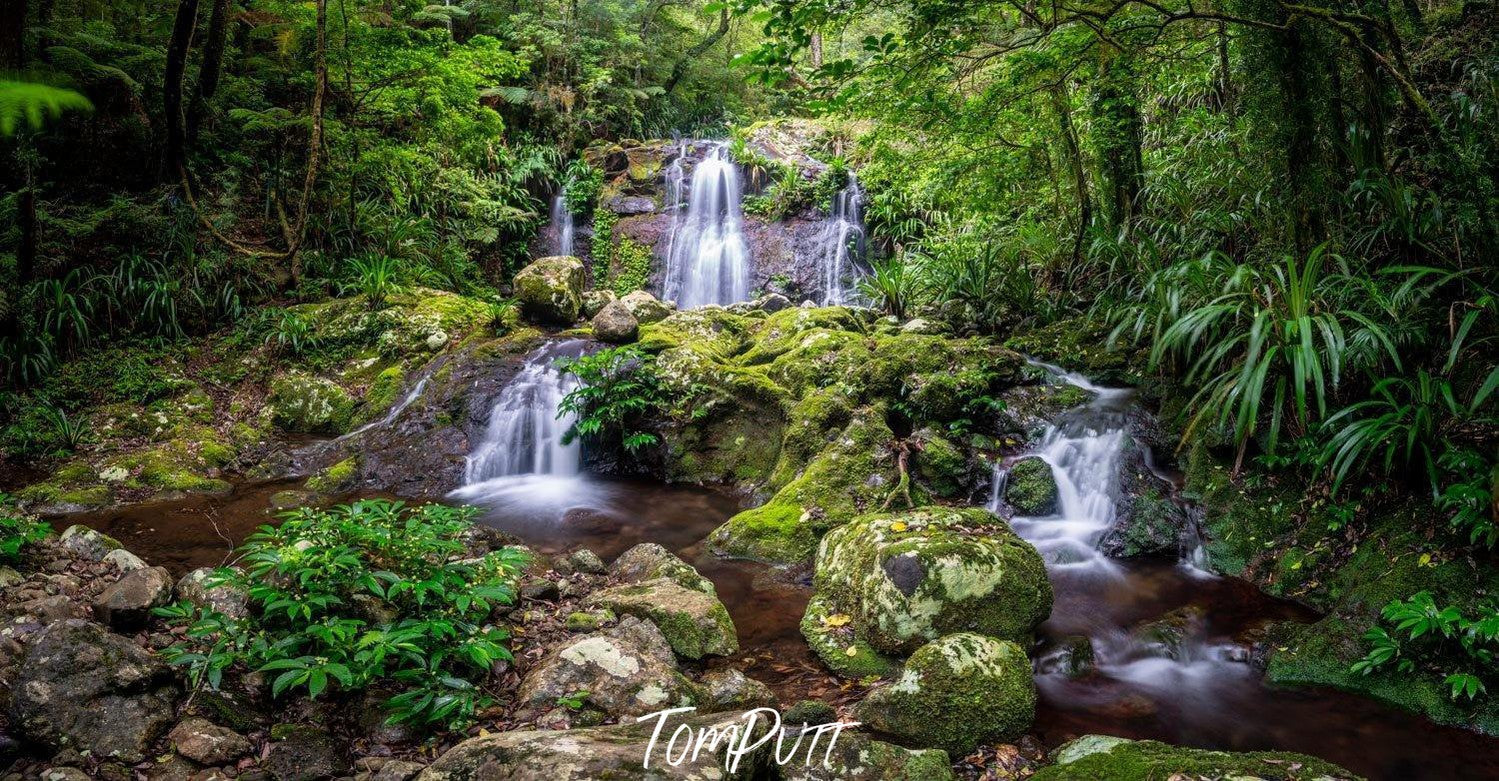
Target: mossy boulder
956 693
625 670
853 474
336 478
832 637
858 757
708 331
550 290
694 623
648 561
304 404
908 578
1094 757
646 308
1031 488
382 394
940 465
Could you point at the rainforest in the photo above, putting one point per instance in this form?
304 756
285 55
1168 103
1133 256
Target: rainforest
515 389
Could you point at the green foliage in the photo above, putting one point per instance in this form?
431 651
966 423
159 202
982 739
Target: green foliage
358 595
33 103
17 530
375 278
892 286
633 263
583 185
1427 638
288 331
618 390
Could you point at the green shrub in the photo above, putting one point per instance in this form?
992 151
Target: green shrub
1430 638
618 390
368 593
17 530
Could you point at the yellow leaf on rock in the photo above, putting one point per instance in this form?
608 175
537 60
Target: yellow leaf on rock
836 619
850 651
898 526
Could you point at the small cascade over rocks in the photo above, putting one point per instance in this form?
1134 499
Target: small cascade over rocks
562 223
707 259
525 432
840 245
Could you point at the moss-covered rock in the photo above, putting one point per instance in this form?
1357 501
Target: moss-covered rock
853 474
941 465
336 478
383 393
1095 757
857 757
955 693
695 623
550 290
908 578
648 561
1031 488
832 637
646 308
1083 345
305 404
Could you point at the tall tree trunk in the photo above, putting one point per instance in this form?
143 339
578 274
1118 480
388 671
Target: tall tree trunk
1118 133
208 72
314 142
181 43
1061 103
699 49
816 49
1225 80
12 34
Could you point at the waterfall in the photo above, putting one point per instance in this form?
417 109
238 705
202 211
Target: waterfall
1084 448
707 259
395 412
525 431
562 222
840 244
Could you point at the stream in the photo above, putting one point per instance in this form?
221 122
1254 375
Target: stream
1201 689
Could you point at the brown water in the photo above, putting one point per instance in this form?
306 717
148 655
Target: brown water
1208 698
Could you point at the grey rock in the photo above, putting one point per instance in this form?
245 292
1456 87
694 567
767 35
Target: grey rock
614 324
201 587
301 752
83 687
587 562
127 603
87 543
207 743
626 670
595 300
648 561
630 204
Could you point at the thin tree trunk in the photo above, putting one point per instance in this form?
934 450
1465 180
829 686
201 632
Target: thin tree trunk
1062 104
208 73
180 44
314 142
12 34
816 50
1225 72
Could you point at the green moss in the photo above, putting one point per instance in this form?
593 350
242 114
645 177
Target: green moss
1082 345
382 394
301 403
1096 757
337 478
631 266
833 643
772 532
1030 488
956 693
942 467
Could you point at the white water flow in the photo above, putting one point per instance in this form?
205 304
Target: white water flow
707 258
562 223
840 244
525 431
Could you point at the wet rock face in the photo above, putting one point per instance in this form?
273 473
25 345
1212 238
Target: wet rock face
550 290
625 670
1148 519
955 693
903 579
82 687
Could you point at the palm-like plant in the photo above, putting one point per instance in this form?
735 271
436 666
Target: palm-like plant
891 286
1269 347
374 277
1400 425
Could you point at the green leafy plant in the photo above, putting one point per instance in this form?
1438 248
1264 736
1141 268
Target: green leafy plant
17 530
375 277
358 595
69 433
30 103
290 333
618 389
573 701
1425 636
1469 496
892 286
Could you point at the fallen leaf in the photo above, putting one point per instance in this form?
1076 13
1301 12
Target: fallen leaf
850 651
836 620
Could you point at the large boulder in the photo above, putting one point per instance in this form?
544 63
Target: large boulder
1104 756
207 743
127 603
956 693
81 687
1031 488
904 579
646 308
595 300
550 290
203 588
614 324
1147 521
622 752
625 670
694 623
303 404
648 561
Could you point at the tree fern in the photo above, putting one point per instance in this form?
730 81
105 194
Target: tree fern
32 103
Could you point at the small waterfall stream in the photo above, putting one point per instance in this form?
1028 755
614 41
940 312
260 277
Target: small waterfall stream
707 259
840 244
525 432
562 223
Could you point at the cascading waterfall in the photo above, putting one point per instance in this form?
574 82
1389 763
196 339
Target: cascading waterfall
525 432
840 244
562 223
707 258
